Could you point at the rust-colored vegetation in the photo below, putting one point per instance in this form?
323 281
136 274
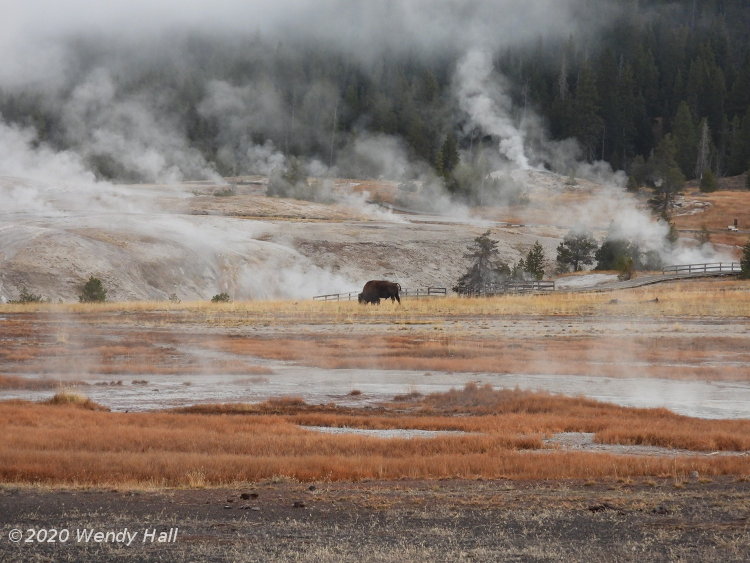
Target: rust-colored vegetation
224 444
16 382
683 357
725 205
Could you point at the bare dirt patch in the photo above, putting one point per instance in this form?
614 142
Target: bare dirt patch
655 519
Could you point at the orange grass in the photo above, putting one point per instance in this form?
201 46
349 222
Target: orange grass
45 444
726 206
727 298
682 357
516 413
15 382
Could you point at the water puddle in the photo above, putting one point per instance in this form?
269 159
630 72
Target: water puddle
716 399
385 433
584 441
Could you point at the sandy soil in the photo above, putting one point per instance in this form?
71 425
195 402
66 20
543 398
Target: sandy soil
654 520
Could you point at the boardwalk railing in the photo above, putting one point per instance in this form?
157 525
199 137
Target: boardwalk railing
419 292
514 287
337 296
425 292
709 268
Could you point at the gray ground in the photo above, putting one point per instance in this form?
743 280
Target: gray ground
156 241
655 520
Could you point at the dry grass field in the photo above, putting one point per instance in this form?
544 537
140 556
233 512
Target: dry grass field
725 206
689 330
225 445
501 484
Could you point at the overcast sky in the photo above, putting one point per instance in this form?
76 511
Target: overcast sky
32 32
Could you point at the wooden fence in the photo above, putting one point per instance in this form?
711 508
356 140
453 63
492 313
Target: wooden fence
708 268
419 292
513 287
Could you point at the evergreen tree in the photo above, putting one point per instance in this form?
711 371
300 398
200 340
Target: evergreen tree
93 291
639 172
535 261
704 150
575 251
486 268
708 182
745 262
666 175
588 125
673 234
518 272
614 254
736 152
448 157
685 139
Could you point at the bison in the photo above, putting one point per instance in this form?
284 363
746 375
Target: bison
375 290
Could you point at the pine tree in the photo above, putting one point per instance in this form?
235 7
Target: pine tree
614 254
745 262
704 150
448 157
708 182
685 139
93 291
575 251
535 261
667 177
486 267
736 149
588 125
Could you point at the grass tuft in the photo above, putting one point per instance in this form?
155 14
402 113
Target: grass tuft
67 398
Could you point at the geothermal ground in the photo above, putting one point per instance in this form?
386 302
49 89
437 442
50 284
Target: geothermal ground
578 425
192 241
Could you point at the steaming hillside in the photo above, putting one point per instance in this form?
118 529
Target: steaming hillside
185 240
194 240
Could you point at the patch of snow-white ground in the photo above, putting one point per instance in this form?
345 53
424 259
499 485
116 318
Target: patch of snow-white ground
585 280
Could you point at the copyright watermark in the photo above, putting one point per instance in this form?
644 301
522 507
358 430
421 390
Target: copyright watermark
123 536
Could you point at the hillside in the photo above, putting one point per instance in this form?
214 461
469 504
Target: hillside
194 240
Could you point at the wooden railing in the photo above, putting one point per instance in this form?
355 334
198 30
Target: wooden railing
514 287
708 268
337 296
425 292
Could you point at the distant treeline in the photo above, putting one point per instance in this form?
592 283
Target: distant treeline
680 68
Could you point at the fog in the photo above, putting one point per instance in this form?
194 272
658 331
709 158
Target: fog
101 78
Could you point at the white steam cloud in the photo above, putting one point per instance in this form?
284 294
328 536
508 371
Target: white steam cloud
482 95
82 61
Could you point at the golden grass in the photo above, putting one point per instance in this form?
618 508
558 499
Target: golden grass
161 338
726 206
227 444
16 382
726 298
73 399
683 357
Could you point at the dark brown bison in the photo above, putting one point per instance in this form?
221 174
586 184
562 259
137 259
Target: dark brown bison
375 290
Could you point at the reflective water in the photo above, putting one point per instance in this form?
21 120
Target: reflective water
718 399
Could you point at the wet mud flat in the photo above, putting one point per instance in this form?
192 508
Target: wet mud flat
152 360
648 519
